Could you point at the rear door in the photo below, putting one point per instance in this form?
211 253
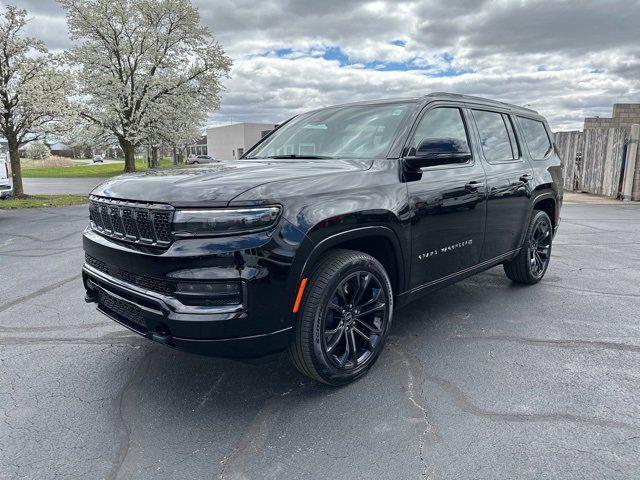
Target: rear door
447 203
508 176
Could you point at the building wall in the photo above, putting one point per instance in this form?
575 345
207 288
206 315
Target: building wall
229 142
624 115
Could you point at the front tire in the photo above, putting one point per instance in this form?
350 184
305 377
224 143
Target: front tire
532 261
344 319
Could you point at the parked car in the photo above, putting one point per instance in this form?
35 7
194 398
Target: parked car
6 181
196 159
313 253
98 159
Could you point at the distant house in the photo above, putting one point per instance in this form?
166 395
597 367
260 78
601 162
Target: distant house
61 150
58 149
198 148
229 142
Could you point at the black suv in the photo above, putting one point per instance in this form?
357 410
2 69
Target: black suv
334 219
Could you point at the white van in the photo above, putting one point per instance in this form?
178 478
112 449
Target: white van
6 181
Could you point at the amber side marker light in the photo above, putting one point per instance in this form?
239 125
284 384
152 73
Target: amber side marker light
296 305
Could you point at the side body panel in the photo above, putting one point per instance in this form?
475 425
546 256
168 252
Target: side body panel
508 198
447 215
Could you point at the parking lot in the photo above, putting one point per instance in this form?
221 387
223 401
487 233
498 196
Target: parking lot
483 379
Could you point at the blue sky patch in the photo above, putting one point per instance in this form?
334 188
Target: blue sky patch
335 53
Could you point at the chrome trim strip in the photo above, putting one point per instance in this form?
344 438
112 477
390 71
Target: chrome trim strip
171 303
131 204
477 266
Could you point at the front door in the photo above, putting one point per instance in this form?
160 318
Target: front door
448 204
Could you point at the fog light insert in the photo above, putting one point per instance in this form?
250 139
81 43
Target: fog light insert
210 293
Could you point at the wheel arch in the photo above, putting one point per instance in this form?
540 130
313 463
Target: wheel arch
378 241
546 202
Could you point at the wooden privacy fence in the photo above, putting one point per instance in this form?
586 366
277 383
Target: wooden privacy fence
593 159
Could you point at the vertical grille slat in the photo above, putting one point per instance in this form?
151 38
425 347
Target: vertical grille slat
162 225
137 222
144 226
106 221
116 223
129 224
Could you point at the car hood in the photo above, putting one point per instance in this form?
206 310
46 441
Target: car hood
217 184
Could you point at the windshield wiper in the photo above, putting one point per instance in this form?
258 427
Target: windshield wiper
311 157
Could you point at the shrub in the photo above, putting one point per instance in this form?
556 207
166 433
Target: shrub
38 151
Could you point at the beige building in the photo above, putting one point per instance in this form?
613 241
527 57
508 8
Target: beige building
624 115
230 142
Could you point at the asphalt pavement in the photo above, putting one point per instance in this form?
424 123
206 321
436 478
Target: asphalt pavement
483 379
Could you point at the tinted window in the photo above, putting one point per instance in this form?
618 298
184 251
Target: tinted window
358 131
494 136
536 137
443 122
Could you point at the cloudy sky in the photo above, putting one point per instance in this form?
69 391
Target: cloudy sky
567 59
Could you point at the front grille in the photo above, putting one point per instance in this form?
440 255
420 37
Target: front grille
143 281
125 310
95 263
135 222
148 283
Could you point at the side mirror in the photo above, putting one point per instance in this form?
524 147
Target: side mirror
438 151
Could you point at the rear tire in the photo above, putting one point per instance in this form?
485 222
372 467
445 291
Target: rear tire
344 319
531 263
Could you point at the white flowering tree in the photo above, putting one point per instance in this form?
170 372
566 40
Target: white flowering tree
139 60
38 151
175 126
33 90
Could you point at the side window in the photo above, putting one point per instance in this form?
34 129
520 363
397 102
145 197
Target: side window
536 137
494 136
441 122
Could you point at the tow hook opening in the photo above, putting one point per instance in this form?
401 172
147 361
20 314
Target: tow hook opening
162 334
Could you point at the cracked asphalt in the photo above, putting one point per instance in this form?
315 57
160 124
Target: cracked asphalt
483 379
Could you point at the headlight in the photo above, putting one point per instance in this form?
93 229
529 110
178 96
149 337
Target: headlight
224 221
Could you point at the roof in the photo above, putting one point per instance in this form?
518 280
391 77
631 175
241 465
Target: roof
435 96
484 101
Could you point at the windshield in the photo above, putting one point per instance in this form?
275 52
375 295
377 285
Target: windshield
359 131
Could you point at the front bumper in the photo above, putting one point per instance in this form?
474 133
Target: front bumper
259 325
152 316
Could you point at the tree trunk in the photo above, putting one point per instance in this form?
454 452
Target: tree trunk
129 151
16 171
154 157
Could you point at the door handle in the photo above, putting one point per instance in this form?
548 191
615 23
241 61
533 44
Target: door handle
473 186
526 177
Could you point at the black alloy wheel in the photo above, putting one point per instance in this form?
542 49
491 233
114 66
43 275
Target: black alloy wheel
540 248
532 262
354 320
344 319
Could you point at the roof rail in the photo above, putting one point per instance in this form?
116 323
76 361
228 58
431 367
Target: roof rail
470 98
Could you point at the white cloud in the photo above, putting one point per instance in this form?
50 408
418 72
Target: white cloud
568 59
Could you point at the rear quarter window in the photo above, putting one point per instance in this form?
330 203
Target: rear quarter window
536 138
